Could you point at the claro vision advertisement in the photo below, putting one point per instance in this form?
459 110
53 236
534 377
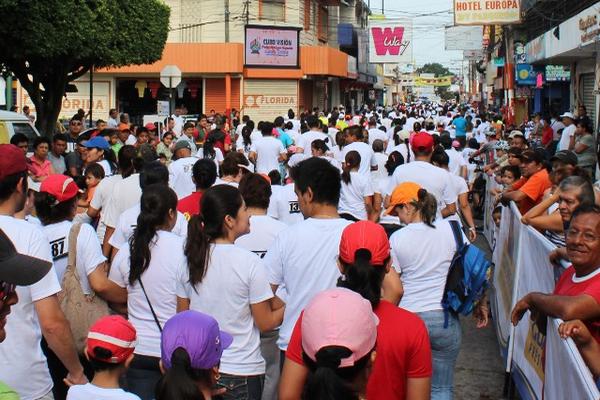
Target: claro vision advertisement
271 47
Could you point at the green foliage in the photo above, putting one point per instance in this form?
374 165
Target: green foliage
434 68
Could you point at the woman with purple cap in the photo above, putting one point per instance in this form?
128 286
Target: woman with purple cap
191 348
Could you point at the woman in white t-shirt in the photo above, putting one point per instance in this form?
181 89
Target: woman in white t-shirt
356 196
390 223
229 283
148 269
422 253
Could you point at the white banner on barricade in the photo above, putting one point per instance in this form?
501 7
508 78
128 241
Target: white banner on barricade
536 274
562 356
489 227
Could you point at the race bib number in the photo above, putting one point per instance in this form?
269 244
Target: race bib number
294 207
58 248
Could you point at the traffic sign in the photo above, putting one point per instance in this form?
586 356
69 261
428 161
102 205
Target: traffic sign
170 76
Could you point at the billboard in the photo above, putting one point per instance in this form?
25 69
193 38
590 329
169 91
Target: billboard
390 41
271 47
464 37
558 73
487 12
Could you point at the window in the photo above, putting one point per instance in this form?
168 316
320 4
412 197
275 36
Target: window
273 10
323 19
26 129
307 6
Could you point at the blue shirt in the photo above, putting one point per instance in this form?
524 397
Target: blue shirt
460 124
285 139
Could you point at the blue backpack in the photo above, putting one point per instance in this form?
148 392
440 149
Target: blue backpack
467 278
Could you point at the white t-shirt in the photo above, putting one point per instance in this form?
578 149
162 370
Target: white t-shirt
180 176
381 172
404 150
268 150
128 222
410 124
456 161
101 198
218 157
131 140
459 186
125 193
306 139
263 230
433 179
565 139
367 156
220 181
423 255
89 251
167 263
90 391
284 205
22 364
304 259
376 133
352 195
235 279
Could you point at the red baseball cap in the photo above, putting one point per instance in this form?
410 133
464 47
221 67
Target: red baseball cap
365 235
150 126
422 141
60 186
113 333
12 160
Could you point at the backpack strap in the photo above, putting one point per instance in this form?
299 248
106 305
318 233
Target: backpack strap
458 236
72 257
150 304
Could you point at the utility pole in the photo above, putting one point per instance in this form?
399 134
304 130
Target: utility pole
382 7
226 21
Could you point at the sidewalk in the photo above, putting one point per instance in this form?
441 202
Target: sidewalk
479 372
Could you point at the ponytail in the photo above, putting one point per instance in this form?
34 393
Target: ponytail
126 158
182 381
217 202
327 381
208 149
157 200
363 277
407 143
352 161
427 206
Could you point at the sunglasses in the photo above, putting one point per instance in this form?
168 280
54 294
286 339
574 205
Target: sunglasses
6 290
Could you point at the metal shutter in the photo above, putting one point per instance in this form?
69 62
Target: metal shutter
587 95
214 94
266 99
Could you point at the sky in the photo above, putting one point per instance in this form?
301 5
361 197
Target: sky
428 31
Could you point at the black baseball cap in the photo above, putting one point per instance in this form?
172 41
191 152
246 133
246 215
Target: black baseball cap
566 157
19 269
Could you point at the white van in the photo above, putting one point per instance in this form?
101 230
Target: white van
12 123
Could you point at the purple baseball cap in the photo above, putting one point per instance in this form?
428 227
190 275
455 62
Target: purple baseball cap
198 334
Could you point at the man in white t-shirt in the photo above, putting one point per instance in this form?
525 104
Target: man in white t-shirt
354 142
303 257
180 170
284 205
179 121
458 165
22 363
376 133
267 152
567 139
315 132
435 180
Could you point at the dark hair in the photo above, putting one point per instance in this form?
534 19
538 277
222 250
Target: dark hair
230 166
153 172
378 146
586 195
49 211
427 206
363 277
355 131
156 202
312 121
189 124
127 164
96 170
586 209
217 202
39 140
326 381
446 141
59 137
208 149
278 121
319 144
181 380
267 129
395 159
246 137
440 157
204 173
351 161
321 177
275 177
473 144
8 185
99 366
516 171
585 124
255 190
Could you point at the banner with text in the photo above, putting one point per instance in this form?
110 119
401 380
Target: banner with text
390 41
487 12
269 46
438 81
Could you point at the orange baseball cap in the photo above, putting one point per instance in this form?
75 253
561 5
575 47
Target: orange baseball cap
402 194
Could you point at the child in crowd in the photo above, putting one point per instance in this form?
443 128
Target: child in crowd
110 346
94 173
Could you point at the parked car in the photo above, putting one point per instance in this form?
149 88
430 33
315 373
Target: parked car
12 123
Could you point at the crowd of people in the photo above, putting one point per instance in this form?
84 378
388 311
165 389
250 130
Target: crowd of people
299 258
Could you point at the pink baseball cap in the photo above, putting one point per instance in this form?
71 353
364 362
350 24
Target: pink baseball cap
339 317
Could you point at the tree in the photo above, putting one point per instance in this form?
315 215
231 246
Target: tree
48 43
439 70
